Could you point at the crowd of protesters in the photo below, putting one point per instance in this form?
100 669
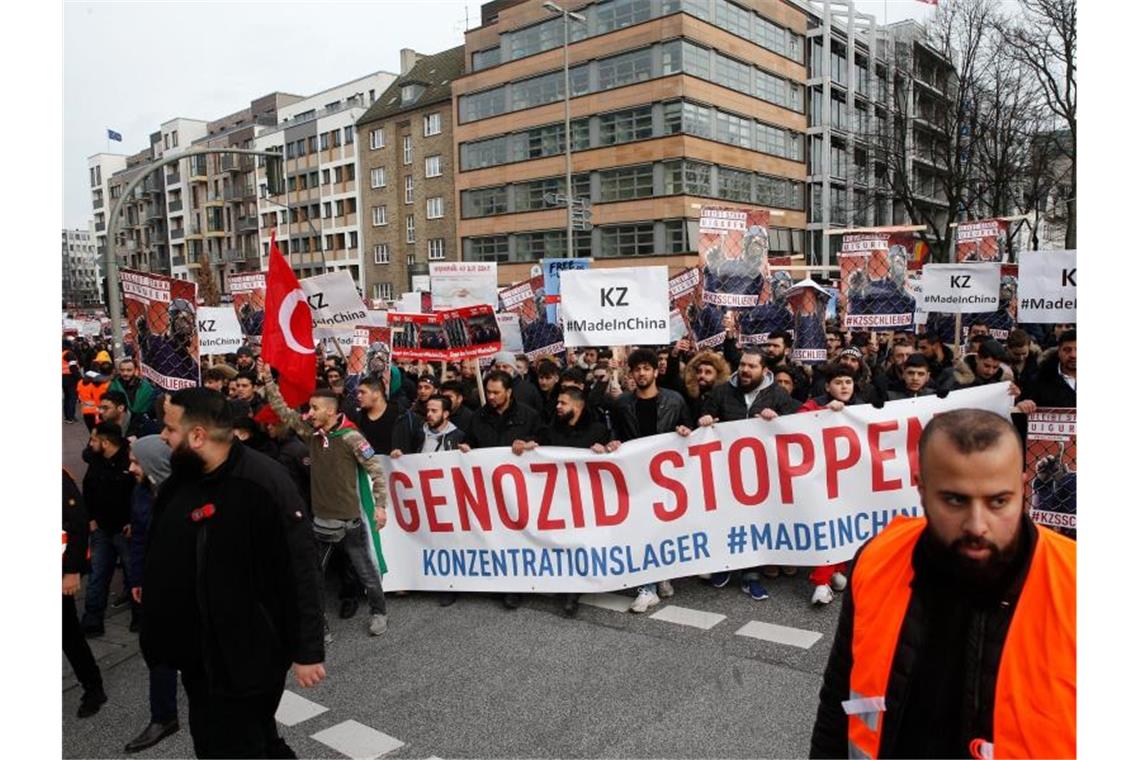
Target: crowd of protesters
152 455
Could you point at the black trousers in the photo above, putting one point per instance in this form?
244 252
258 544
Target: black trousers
223 725
76 648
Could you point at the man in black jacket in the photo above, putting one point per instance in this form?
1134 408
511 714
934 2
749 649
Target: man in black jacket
502 421
751 392
461 414
75 646
232 590
573 427
645 411
1056 382
107 488
523 390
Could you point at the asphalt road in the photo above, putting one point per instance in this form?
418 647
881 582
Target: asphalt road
476 680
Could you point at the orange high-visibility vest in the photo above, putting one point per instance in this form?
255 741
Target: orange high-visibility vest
1035 702
90 394
66 364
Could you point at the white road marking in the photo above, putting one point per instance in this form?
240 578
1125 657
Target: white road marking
780 634
296 709
685 616
615 602
357 740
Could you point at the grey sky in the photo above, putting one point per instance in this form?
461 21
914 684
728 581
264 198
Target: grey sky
131 66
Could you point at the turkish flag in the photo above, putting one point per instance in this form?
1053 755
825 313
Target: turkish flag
287 336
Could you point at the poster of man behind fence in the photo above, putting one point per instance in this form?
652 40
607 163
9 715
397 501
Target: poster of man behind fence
872 270
1051 469
733 246
983 240
528 301
162 314
248 291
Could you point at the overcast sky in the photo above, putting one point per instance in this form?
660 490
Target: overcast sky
131 66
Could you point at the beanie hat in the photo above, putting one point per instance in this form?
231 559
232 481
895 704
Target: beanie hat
504 357
153 456
851 352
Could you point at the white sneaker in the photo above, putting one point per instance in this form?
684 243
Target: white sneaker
822 595
838 582
665 589
377 625
645 599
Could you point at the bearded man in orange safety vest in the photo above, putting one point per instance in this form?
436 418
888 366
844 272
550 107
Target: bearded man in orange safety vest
957 637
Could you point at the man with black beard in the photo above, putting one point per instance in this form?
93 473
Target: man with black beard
779 354
980 604
232 593
751 392
575 427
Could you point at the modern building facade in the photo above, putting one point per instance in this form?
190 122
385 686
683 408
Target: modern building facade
675 105
79 268
407 174
873 93
316 218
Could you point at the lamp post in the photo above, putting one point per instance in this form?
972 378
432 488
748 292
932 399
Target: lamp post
566 17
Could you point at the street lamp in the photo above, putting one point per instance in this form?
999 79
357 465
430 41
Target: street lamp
566 17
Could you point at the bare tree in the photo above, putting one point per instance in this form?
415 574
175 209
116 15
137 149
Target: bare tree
1045 41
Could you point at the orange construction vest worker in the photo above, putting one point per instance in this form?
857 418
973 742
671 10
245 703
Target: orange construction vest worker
90 394
68 363
1035 704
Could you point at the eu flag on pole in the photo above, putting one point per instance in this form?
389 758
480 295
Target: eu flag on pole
113 135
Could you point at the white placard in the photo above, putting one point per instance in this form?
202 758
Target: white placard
219 331
615 307
1047 287
510 332
409 303
336 305
455 284
961 288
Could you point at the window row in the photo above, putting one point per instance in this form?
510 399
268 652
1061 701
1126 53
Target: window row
640 123
432 126
314 179
674 177
611 15
663 59
314 143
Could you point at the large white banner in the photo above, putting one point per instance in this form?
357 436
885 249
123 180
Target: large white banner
336 305
961 288
219 331
608 307
1047 287
510 332
806 489
455 284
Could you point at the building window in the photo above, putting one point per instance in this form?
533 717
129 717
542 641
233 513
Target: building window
627 240
349 135
379 216
407 149
636 66
489 248
324 141
435 249
409 186
435 207
625 126
621 13
627 183
378 177
431 124
410 229
484 202
386 291
376 138
432 167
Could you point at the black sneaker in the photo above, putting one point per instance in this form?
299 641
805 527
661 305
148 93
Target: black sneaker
570 605
446 598
93 631
91 701
511 601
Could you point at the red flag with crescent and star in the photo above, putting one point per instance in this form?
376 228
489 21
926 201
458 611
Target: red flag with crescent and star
287 336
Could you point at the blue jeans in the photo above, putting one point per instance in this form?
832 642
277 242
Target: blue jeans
163 694
105 549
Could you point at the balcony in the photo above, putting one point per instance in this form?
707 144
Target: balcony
173 179
155 213
152 185
237 164
247 224
178 261
236 193
198 173
100 226
174 207
238 254
97 203
177 233
214 199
